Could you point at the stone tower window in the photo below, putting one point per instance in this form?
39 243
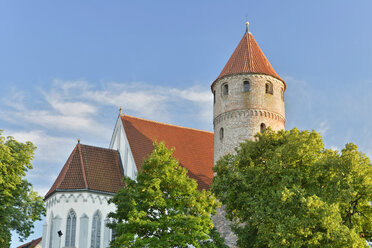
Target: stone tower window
262 127
221 133
269 88
282 93
214 96
225 89
246 86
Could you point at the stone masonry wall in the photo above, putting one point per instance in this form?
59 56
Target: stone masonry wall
240 115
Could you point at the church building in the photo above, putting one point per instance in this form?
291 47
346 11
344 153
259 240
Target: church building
248 98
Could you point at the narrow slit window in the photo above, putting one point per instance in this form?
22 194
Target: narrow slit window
214 96
282 94
221 133
225 89
246 86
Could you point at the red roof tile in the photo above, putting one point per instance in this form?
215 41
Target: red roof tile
90 168
31 244
248 58
193 148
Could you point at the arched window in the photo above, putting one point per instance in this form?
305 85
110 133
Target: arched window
221 133
109 234
246 86
96 231
51 231
225 89
70 229
262 127
269 88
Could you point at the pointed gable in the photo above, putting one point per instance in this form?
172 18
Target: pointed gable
31 244
90 168
193 148
248 58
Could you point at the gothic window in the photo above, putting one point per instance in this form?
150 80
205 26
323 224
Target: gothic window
113 234
96 231
246 86
70 229
221 133
214 96
269 88
225 89
51 231
262 127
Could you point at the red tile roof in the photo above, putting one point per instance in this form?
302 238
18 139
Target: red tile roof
31 244
248 58
193 148
90 168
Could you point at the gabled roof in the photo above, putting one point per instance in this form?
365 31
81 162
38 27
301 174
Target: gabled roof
90 168
193 148
248 58
31 244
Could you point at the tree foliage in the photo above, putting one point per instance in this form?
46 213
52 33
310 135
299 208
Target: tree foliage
20 206
286 190
163 208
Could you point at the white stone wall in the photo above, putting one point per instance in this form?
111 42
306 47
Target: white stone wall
120 142
85 205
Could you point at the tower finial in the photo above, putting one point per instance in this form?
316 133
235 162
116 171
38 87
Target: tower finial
120 111
78 141
247 27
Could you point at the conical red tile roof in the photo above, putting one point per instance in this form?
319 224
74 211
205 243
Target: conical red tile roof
90 168
248 58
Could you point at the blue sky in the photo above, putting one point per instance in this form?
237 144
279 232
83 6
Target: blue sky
67 66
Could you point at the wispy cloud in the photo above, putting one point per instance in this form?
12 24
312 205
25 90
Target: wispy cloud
139 98
323 127
72 109
49 148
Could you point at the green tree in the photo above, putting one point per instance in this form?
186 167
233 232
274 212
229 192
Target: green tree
163 208
20 206
286 190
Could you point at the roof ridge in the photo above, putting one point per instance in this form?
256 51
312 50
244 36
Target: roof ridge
82 166
30 243
166 124
67 164
104 148
250 55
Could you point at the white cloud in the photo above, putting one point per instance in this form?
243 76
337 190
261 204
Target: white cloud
49 148
323 127
139 98
50 155
77 108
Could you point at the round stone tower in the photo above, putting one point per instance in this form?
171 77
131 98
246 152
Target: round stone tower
248 98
